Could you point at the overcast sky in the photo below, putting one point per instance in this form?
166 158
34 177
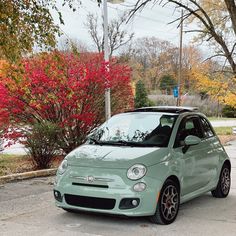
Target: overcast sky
152 21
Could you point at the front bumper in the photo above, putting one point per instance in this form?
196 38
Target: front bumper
94 198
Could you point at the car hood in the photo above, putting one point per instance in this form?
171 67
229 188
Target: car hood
116 156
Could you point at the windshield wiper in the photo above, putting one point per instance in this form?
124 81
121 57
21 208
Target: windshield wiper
123 143
132 144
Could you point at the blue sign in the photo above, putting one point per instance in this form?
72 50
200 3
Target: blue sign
176 92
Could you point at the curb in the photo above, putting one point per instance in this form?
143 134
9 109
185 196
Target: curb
27 175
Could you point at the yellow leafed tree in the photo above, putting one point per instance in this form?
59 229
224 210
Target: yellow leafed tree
218 88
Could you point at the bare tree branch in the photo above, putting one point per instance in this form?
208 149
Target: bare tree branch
194 8
117 37
92 25
217 55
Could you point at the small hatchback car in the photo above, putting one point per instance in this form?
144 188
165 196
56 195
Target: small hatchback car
145 162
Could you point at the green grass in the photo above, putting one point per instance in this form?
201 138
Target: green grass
219 118
223 130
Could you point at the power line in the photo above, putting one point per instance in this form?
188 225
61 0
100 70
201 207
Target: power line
137 16
140 16
147 18
154 30
132 4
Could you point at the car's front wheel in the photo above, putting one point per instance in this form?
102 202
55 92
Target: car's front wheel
223 186
168 204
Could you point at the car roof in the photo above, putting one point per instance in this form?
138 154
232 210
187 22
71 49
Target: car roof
166 109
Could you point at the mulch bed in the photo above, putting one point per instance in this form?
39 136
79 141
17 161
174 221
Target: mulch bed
24 164
226 138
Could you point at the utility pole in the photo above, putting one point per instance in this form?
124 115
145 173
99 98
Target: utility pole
106 54
106 58
180 60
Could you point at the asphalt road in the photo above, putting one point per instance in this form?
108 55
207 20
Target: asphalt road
27 208
224 123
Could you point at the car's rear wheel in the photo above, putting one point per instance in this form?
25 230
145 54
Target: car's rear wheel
168 204
223 186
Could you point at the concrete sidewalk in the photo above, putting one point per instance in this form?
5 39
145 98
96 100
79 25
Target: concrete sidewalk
231 149
223 123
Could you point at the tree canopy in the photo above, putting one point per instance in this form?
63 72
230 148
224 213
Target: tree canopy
216 23
25 24
141 96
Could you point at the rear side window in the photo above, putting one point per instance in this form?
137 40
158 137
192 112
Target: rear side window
207 130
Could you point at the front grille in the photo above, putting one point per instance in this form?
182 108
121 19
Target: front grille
90 185
90 202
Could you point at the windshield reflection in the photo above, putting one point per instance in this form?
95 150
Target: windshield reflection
135 129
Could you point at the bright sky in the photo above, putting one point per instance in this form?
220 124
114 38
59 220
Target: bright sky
152 21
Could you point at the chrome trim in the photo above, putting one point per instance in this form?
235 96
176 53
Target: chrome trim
85 178
103 179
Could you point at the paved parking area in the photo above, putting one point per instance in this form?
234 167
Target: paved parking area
27 208
224 123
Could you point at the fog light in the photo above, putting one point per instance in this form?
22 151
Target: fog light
139 187
129 203
57 195
134 202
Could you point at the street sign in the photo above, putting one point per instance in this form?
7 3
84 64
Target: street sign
176 92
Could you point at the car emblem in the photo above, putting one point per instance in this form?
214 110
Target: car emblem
90 178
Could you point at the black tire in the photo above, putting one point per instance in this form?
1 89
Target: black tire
223 186
168 204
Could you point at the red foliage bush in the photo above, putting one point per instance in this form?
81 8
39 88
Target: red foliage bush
66 90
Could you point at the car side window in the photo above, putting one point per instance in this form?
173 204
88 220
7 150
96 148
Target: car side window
188 126
207 130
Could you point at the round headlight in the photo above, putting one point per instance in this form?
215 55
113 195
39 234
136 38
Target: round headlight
136 172
63 166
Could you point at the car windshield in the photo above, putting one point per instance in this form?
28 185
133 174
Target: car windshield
135 129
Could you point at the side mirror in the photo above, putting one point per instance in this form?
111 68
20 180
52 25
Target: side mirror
190 141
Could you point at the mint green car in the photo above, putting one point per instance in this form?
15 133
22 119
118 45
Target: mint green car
145 162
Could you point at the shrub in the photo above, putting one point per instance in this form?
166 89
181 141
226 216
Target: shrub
229 111
141 97
65 90
41 143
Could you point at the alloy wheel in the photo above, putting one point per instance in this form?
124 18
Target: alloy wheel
225 180
169 202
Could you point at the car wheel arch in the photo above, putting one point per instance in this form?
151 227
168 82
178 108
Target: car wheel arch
175 179
220 167
227 162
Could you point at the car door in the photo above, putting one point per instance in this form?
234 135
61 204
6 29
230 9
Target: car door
192 160
212 159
